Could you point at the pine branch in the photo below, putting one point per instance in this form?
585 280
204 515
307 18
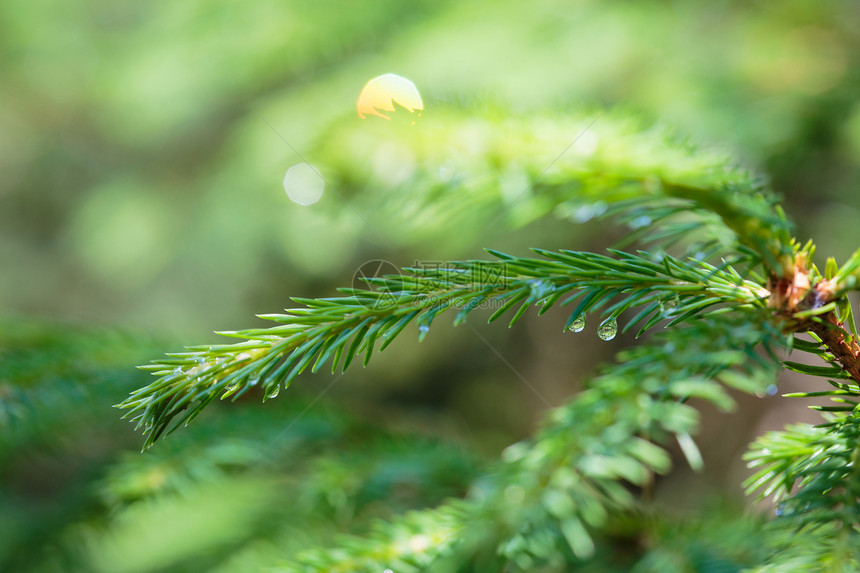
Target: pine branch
842 345
808 302
338 329
847 277
409 544
662 187
812 472
571 477
552 496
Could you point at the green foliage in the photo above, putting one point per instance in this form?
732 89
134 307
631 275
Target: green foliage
171 163
338 329
552 499
233 491
814 470
552 495
141 148
683 190
656 183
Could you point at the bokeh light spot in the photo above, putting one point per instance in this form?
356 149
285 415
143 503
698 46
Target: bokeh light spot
304 184
382 92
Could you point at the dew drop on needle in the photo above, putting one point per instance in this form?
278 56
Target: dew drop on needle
607 329
577 325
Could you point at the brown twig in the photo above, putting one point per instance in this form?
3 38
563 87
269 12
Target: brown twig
841 345
794 293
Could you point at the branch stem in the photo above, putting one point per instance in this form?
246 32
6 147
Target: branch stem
844 348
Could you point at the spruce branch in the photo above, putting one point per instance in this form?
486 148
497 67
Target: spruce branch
726 323
551 496
846 277
806 301
812 474
340 328
842 345
811 471
661 186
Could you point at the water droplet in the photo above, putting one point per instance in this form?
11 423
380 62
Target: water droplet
667 306
586 213
540 289
578 325
382 92
423 329
639 222
253 381
772 389
607 329
304 184
273 391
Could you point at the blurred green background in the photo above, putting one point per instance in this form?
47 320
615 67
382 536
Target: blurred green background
142 154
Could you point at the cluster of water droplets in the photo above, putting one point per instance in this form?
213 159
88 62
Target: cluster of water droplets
607 330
